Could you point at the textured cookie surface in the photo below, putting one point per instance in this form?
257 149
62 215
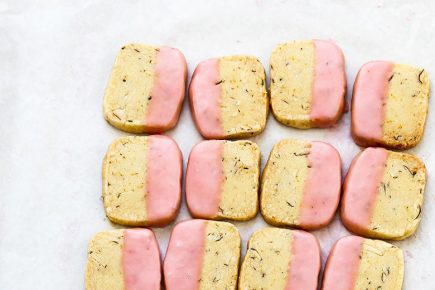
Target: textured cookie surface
389 105
146 89
301 184
228 97
383 194
281 259
202 255
356 263
308 83
123 259
222 180
142 180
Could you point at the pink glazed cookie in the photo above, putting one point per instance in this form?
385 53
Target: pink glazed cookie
389 105
307 83
142 181
228 97
281 259
356 263
383 194
301 184
202 255
123 259
146 89
222 180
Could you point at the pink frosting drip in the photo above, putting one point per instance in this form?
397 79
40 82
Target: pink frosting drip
141 260
205 99
369 98
329 85
322 187
165 167
361 188
168 89
303 272
204 178
184 257
341 271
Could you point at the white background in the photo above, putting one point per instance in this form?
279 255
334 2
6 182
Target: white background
55 60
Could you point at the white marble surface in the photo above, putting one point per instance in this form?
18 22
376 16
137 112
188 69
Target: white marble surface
55 59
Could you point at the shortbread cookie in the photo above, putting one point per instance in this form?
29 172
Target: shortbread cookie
389 105
281 259
123 259
228 97
146 89
202 255
356 263
142 181
222 180
301 184
383 194
307 83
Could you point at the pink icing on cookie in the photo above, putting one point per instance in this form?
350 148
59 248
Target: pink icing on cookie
329 85
368 102
163 181
322 187
361 188
205 99
141 260
184 257
204 178
341 271
305 262
168 90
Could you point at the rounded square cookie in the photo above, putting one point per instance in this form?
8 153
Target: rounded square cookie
123 259
281 259
228 97
307 83
202 255
383 194
355 263
389 105
142 180
146 89
222 180
301 184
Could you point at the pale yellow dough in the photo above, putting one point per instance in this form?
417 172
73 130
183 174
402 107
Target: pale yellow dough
406 107
221 258
267 260
244 100
127 94
241 164
397 212
283 182
103 269
124 178
291 83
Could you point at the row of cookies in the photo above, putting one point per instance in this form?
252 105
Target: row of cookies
300 186
228 96
205 254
